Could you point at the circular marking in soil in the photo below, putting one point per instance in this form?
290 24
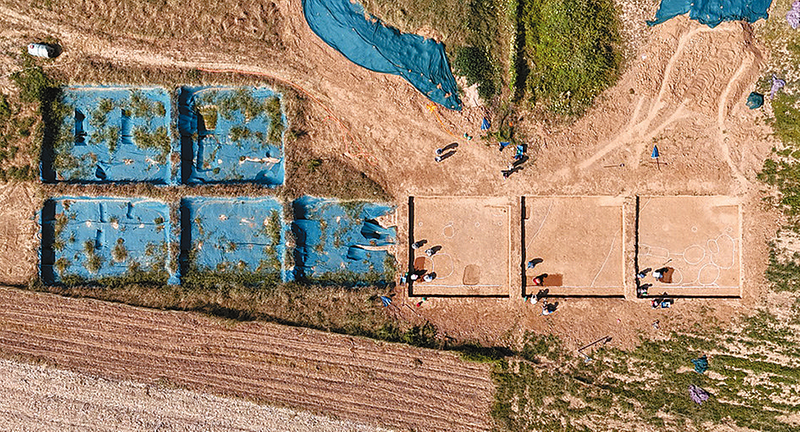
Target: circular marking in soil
419 223
477 224
694 229
708 274
725 257
694 254
713 246
677 277
449 230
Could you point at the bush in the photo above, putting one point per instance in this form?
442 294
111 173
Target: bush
572 47
784 171
475 65
34 85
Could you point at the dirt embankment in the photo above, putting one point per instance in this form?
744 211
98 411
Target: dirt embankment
351 378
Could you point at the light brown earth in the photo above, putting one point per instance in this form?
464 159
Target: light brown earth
580 238
475 246
683 88
351 378
39 397
19 233
698 237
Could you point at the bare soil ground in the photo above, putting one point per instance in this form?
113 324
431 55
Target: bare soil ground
348 377
19 233
38 397
473 241
580 238
683 88
698 237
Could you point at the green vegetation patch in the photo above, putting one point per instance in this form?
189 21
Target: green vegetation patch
553 55
572 52
545 388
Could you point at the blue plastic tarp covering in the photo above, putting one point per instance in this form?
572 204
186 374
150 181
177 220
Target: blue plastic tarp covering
113 134
365 41
100 237
239 235
712 12
755 100
345 238
221 143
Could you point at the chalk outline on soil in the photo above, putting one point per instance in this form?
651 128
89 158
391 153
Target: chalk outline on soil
738 247
428 288
618 289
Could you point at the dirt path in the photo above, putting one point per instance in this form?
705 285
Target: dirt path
351 378
37 397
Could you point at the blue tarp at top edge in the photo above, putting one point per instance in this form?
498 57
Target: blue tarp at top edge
367 42
712 12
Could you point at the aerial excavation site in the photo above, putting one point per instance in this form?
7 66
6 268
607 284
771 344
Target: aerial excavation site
400 215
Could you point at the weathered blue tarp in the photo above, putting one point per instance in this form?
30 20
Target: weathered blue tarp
364 40
341 241
113 134
94 238
234 235
712 12
226 145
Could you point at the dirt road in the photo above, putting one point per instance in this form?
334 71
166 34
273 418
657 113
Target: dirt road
351 378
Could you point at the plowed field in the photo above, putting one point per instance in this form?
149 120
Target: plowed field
351 378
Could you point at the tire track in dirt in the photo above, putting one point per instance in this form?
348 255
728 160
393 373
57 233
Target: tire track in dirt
34 397
241 376
724 100
636 130
353 378
287 384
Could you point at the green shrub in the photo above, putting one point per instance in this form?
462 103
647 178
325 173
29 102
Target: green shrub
474 64
5 109
34 85
572 47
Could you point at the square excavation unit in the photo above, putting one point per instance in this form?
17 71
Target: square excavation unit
231 135
696 243
573 246
472 239
112 134
88 239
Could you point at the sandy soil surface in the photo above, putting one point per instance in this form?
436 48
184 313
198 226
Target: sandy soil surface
683 88
579 238
38 397
351 378
460 231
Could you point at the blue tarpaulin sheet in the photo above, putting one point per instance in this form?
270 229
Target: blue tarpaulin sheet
116 134
234 234
225 145
712 12
365 41
332 237
93 238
